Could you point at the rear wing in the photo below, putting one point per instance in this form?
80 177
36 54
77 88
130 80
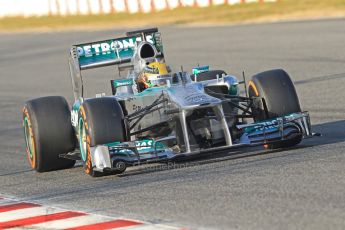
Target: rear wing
114 51
108 52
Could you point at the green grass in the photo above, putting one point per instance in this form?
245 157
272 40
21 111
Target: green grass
283 9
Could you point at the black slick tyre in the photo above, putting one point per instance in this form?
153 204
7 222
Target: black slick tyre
101 121
279 98
48 133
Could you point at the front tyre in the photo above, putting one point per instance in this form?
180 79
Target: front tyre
279 98
48 133
101 121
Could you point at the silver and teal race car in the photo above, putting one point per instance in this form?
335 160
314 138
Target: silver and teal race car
190 114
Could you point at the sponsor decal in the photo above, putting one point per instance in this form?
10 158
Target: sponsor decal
123 82
151 70
260 127
145 144
196 98
110 46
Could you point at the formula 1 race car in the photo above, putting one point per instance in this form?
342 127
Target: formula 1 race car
156 115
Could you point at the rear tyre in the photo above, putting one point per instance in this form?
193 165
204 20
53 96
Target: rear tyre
279 98
101 121
48 133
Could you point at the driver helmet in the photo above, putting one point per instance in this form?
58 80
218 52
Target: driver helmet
155 74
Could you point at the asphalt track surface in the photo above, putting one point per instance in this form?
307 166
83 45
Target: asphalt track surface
300 188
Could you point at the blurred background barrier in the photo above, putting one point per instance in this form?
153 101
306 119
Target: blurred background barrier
28 8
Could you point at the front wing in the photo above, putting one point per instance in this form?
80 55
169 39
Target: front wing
108 157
